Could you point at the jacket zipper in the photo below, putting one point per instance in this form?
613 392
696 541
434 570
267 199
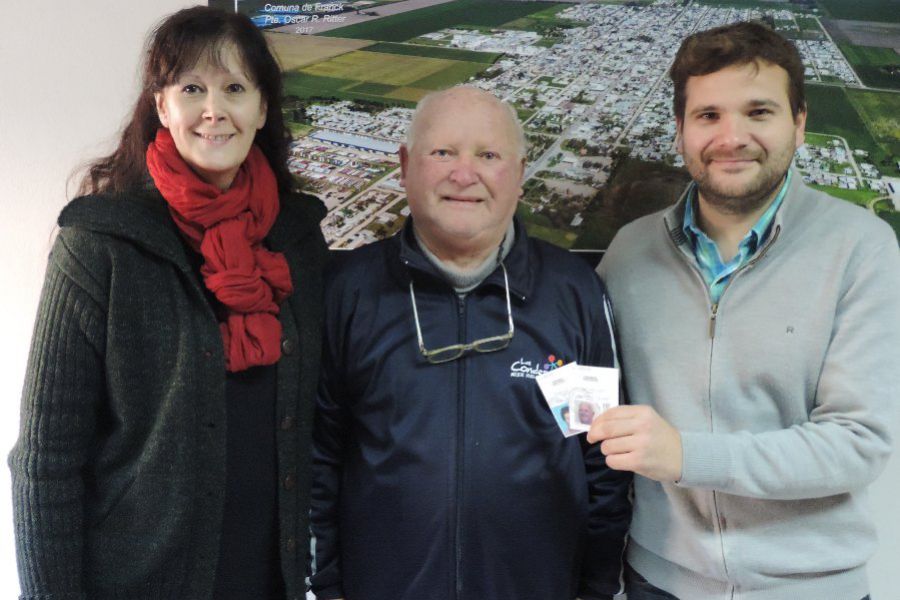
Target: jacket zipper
712 318
712 337
460 447
714 311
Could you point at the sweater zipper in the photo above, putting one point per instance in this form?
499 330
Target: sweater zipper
712 340
460 447
714 309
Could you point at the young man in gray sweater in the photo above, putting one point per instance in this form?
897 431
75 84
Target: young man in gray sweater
760 326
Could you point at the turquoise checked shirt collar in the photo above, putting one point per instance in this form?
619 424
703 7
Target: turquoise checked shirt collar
715 272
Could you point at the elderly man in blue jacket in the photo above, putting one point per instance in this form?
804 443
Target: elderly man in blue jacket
440 472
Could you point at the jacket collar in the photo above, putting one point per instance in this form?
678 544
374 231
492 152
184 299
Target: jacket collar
142 217
788 214
518 265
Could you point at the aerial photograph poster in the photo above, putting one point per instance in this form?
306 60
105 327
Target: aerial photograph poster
589 82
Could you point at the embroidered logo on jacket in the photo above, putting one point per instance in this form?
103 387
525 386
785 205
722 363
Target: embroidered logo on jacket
530 370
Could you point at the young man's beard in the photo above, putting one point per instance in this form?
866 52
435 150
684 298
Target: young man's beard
750 197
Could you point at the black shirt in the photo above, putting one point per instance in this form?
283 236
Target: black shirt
249 560
249 565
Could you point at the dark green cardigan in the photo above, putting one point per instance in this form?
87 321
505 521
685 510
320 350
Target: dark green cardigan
119 471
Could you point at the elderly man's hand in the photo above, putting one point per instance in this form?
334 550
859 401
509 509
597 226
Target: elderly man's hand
636 438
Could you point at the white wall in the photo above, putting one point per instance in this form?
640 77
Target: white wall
68 77
68 80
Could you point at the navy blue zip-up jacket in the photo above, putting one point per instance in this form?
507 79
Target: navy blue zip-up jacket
452 481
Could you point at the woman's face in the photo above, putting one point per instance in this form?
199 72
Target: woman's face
213 113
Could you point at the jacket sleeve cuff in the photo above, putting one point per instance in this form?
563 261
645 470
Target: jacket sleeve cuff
705 462
332 592
598 590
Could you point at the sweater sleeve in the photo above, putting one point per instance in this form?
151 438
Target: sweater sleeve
63 386
608 490
845 443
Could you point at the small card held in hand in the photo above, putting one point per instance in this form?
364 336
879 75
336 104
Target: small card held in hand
555 387
594 391
576 394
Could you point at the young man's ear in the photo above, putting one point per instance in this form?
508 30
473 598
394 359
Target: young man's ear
800 128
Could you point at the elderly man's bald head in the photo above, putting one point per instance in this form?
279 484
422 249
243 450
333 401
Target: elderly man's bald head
463 170
466 93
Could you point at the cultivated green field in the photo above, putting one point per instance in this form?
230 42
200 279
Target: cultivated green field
374 66
304 85
539 226
809 29
870 55
832 112
551 12
373 89
378 76
411 24
407 94
818 139
893 219
544 21
860 197
298 130
868 62
298 51
862 10
434 52
807 23
881 112
456 72
636 188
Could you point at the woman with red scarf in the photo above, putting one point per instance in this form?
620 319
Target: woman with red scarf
166 413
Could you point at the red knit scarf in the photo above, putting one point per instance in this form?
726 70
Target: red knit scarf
227 228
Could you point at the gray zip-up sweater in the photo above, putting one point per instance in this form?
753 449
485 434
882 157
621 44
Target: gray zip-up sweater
783 392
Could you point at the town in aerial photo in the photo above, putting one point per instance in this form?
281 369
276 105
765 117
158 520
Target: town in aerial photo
589 81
